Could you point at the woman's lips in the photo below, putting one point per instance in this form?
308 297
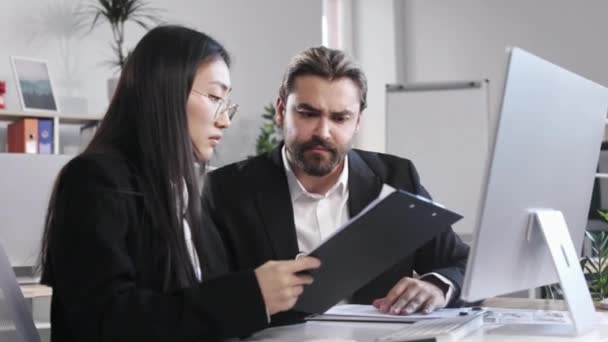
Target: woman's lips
215 140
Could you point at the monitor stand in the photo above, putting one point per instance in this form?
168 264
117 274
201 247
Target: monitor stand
572 281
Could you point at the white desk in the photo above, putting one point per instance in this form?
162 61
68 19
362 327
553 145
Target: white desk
38 298
368 332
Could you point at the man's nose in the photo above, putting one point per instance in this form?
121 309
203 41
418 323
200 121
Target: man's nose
323 129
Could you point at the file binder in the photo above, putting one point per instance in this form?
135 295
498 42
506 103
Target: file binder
45 136
385 232
23 136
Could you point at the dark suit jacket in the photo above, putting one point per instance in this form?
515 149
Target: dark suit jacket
105 268
250 204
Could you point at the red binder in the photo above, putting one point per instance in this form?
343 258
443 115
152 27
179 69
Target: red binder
23 136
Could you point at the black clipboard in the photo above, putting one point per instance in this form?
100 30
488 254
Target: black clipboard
386 231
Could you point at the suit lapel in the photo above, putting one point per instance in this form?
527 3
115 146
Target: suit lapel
274 204
363 184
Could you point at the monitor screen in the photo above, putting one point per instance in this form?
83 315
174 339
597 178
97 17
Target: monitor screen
544 156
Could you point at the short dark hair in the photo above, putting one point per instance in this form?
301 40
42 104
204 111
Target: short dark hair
327 63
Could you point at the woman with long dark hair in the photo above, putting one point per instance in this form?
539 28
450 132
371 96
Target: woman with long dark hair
126 249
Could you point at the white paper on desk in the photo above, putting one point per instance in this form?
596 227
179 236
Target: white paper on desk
526 316
364 312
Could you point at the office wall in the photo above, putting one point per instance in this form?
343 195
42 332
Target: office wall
373 43
466 39
262 35
439 40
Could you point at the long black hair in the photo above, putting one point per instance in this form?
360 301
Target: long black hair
147 123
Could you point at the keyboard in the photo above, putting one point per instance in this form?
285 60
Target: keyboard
438 330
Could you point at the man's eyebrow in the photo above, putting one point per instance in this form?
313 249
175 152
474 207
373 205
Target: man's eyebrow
343 113
311 108
307 107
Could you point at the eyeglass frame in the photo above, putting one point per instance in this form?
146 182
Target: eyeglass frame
220 102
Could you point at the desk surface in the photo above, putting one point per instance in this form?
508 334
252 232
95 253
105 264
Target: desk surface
36 290
368 332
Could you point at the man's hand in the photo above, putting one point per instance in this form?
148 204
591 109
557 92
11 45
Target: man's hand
281 282
411 295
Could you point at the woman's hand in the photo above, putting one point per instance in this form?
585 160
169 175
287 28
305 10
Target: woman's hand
282 283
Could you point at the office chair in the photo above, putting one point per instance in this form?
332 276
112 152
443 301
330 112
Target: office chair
16 321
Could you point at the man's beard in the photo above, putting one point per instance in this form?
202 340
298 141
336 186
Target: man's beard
316 164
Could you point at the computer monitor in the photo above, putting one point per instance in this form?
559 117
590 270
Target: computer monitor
544 159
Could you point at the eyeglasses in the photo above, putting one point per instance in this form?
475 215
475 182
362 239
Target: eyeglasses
223 106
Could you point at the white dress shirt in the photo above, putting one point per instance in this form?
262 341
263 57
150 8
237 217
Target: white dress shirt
193 256
188 237
318 216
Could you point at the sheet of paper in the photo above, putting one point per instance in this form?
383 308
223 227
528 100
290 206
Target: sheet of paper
369 311
525 316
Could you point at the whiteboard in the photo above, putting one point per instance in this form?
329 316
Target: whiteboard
444 129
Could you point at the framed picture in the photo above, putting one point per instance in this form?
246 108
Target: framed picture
34 85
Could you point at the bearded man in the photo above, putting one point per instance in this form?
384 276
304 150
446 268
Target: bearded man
274 206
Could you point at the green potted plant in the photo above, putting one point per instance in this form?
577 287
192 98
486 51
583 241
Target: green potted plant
596 265
269 136
118 13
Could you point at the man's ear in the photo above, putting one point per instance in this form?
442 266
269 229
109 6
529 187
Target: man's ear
279 115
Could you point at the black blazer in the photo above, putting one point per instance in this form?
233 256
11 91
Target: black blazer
250 204
104 268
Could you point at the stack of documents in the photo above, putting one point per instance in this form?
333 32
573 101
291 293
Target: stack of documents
526 316
368 313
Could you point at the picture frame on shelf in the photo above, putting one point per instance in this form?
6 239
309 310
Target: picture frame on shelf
34 85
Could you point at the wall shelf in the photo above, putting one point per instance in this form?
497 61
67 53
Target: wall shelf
6 115
59 119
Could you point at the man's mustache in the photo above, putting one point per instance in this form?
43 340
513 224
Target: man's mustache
316 142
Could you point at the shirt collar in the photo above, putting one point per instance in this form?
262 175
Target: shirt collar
296 189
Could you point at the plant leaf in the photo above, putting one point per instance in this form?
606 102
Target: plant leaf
603 215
